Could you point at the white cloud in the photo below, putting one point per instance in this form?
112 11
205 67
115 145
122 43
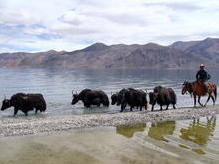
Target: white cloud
68 25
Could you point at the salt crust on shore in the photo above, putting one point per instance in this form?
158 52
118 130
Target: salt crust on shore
45 125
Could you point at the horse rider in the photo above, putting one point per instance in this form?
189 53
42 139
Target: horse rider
203 76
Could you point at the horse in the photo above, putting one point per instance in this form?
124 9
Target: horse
198 89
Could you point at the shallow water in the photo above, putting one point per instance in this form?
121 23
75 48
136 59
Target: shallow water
57 85
189 141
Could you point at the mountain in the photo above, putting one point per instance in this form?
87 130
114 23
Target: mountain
179 55
208 49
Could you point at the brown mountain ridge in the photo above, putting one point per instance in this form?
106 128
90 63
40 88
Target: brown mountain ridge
179 55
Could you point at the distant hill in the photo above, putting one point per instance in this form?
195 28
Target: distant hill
179 55
208 49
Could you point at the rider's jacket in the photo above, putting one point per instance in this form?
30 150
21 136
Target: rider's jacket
202 75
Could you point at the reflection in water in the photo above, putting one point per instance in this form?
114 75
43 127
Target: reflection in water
199 133
163 142
159 130
198 151
129 130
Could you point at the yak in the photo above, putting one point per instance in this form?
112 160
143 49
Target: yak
162 96
131 97
91 97
25 103
114 98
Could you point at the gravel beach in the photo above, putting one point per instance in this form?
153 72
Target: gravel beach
42 124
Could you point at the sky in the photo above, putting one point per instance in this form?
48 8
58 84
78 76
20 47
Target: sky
42 25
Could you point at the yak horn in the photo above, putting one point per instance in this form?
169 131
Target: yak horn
5 97
72 92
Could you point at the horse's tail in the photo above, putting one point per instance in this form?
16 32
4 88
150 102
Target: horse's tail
215 92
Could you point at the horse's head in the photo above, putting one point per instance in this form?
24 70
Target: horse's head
186 87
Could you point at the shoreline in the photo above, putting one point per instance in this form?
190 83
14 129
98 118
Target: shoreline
46 125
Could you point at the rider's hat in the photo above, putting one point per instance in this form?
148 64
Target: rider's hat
202 66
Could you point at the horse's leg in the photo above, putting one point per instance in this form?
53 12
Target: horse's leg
199 98
194 100
209 96
213 99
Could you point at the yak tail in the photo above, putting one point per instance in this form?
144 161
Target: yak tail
215 93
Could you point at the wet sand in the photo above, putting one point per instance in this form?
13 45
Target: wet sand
42 124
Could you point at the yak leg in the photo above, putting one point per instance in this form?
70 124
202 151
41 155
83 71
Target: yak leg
161 107
26 114
199 97
140 108
152 108
122 107
36 111
15 111
167 107
98 104
174 107
146 106
131 108
86 105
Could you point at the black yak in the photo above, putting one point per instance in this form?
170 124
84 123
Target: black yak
25 103
91 97
131 97
162 96
114 98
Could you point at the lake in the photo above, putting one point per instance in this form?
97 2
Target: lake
57 84
188 141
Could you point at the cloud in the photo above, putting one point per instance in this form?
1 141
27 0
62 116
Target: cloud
69 25
12 48
176 5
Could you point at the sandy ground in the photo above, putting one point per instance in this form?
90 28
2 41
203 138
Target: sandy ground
41 124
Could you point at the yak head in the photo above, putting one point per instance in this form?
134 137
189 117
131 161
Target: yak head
5 104
121 96
75 98
114 98
153 98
